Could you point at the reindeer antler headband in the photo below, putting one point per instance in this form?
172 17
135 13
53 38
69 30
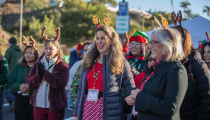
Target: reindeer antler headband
31 42
54 37
178 18
96 21
164 21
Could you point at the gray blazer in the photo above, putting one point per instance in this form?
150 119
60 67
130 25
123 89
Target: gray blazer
112 87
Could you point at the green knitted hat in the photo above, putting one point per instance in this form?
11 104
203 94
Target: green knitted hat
13 40
143 34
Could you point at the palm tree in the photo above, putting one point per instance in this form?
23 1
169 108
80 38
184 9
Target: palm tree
207 10
172 4
185 5
189 13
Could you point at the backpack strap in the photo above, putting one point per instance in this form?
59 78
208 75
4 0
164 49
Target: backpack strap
190 73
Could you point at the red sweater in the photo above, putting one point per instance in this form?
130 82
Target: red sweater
139 78
91 80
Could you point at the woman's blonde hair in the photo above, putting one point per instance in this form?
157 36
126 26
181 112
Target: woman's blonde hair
172 43
115 62
57 45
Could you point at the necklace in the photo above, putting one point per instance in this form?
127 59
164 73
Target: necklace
95 75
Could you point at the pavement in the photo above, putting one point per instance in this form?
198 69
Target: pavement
10 115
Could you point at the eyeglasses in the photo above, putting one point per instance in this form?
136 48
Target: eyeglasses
135 44
150 59
152 43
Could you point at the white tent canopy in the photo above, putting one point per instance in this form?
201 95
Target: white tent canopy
197 28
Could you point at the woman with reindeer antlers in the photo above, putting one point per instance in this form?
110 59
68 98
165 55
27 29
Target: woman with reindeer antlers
18 81
48 77
105 72
163 88
196 103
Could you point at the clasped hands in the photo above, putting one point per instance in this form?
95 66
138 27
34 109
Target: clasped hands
24 88
132 98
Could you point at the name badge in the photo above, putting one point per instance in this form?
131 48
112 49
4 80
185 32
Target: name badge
134 112
92 95
46 92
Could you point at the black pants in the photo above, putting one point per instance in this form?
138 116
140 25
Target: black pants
23 109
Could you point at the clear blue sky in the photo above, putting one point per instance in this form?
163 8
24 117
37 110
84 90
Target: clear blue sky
165 5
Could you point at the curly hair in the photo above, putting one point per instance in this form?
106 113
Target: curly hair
115 63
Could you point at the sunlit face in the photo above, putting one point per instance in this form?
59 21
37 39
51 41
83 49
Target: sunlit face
85 49
103 42
156 48
50 50
135 48
206 54
29 55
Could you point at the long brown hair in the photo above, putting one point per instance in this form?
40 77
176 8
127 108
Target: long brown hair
186 40
115 63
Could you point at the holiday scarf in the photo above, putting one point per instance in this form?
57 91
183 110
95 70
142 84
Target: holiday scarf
158 60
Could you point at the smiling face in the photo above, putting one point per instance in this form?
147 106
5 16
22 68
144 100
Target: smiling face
50 50
135 48
29 55
206 54
103 42
155 47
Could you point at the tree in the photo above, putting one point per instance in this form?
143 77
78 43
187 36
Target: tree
185 5
172 4
206 9
77 25
96 2
189 13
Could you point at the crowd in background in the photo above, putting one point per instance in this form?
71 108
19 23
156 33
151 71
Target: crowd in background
144 78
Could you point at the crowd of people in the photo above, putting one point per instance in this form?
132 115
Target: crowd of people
161 77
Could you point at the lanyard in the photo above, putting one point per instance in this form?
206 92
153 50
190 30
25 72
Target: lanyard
25 73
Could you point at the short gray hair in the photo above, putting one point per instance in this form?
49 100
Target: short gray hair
172 43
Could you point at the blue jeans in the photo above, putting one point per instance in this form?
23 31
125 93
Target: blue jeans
69 99
1 104
7 94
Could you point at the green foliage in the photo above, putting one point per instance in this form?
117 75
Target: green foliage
96 2
35 4
35 28
206 9
77 22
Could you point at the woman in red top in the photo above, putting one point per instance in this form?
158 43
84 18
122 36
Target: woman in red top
104 73
150 61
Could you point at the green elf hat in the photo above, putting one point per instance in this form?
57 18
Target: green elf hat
138 37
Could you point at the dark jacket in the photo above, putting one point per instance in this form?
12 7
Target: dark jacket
57 79
112 86
73 58
196 104
163 93
17 78
13 54
139 65
4 73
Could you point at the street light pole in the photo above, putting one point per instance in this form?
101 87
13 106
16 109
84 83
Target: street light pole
21 16
143 23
